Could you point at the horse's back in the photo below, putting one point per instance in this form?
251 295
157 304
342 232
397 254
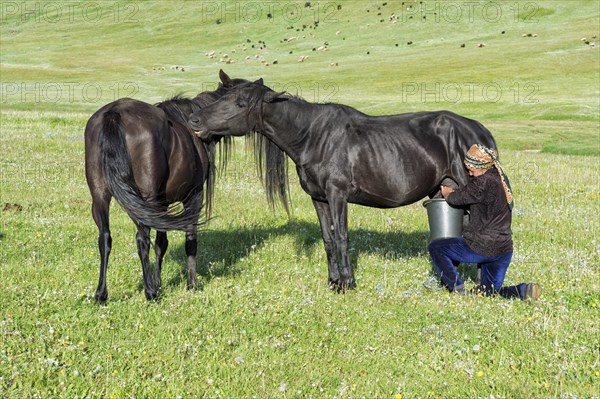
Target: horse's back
135 115
468 131
437 133
399 159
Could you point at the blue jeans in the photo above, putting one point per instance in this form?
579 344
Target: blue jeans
447 253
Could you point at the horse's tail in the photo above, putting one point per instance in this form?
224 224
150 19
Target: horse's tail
484 136
150 212
461 133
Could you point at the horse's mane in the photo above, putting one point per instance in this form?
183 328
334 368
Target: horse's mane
271 163
177 107
271 167
348 109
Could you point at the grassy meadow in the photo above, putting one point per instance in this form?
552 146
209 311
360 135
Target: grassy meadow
264 323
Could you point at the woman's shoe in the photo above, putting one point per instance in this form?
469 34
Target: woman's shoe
532 291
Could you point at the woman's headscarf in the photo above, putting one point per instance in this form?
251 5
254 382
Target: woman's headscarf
483 158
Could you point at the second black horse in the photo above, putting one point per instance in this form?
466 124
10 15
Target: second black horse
147 157
343 155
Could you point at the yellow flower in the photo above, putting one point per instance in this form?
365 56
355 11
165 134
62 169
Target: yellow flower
480 374
398 396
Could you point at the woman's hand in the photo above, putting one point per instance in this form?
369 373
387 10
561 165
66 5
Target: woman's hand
445 190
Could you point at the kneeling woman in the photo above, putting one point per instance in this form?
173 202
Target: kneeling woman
487 240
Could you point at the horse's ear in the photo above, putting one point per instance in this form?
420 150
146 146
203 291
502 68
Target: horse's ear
227 82
271 96
259 82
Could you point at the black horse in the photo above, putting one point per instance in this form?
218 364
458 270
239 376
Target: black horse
147 157
343 155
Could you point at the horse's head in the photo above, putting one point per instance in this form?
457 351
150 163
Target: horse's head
235 113
207 97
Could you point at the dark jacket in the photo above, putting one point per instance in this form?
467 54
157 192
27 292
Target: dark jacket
488 232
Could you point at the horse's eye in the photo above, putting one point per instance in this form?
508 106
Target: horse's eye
239 104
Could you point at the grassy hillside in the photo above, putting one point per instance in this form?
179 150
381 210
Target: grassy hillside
513 65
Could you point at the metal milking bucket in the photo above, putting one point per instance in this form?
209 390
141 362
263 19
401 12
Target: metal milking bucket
445 221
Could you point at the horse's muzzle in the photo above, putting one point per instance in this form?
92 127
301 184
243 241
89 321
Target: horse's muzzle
203 135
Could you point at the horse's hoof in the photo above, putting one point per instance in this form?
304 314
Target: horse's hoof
350 285
192 285
101 297
152 296
347 287
334 285
342 287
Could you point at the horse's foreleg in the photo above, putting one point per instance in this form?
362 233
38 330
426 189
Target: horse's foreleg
324 216
142 239
100 214
339 215
160 248
191 247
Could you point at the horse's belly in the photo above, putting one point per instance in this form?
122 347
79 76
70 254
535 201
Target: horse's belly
382 194
377 201
374 202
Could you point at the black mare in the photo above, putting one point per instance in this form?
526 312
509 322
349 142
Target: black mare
343 155
147 157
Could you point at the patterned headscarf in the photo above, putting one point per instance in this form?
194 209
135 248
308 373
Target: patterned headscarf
483 158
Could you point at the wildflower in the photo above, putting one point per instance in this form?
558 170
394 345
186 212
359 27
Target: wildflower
49 362
398 396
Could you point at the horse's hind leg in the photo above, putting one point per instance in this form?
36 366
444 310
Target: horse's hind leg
142 239
191 248
100 206
160 248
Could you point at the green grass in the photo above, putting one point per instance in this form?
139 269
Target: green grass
264 323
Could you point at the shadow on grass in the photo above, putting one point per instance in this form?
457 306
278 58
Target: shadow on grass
219 251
